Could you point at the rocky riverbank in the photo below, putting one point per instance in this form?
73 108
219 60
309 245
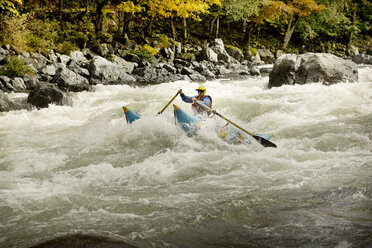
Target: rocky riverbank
54 76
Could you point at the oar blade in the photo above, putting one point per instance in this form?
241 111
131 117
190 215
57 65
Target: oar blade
263 141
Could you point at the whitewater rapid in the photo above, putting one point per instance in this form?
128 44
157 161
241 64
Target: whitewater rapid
82 169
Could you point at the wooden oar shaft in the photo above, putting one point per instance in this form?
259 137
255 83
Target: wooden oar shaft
259 139
168 104
223 117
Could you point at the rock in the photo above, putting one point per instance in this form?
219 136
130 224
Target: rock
312 67
129 66
3 54
83 241
209 55
352 50
18 84
266 56
38 60
105 72
48 70
64 59
46 94
70 81
31 81
5 103
77 68
254 71
362 59
170 68
235 52
78 57
196 77
219 49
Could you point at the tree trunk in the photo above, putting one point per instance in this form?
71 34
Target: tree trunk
86 6
60 4
217 27
185 35
289 32
354 23
248 35
100 17
148 29
128 17
173 28
211 30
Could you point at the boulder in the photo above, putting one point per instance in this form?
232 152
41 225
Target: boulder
128 66
209 55
311 68
18 84
363 59
105 72
46 94
83 241
70 81
5 103
235 52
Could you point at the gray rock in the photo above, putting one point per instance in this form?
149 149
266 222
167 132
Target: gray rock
78 57
209 55
363 59
236 53
197 77
38 60
5 103
129 66
31 81
70 81
64 59
105 72
46 94
312 67
254 71
266 55
18 84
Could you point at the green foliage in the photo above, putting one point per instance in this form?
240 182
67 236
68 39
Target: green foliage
9 7
27 33
66 47
241 10
16 67
146 52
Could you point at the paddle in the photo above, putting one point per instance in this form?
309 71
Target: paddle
168 103
259 139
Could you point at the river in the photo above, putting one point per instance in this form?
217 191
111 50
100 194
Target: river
81 169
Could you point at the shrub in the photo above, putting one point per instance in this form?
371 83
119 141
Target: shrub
146 52
66 47
16 68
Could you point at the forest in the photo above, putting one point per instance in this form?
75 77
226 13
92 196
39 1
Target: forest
287 25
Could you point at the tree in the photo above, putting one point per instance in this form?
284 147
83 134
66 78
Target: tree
180 8
244 11
100 17
291 12
128 9
9 7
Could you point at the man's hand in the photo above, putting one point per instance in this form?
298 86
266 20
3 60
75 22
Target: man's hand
180 91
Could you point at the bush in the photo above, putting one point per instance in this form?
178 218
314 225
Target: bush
16 68
146 52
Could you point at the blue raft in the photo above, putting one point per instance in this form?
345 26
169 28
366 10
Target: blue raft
191 124
228 133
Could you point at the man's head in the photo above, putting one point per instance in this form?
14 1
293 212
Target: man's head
201 90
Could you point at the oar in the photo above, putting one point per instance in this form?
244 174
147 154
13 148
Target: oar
259 139
168 104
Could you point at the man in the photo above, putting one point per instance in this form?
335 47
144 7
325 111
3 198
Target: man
207 100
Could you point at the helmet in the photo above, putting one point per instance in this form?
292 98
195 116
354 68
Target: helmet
201 88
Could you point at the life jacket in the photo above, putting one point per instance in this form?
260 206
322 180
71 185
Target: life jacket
200 109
